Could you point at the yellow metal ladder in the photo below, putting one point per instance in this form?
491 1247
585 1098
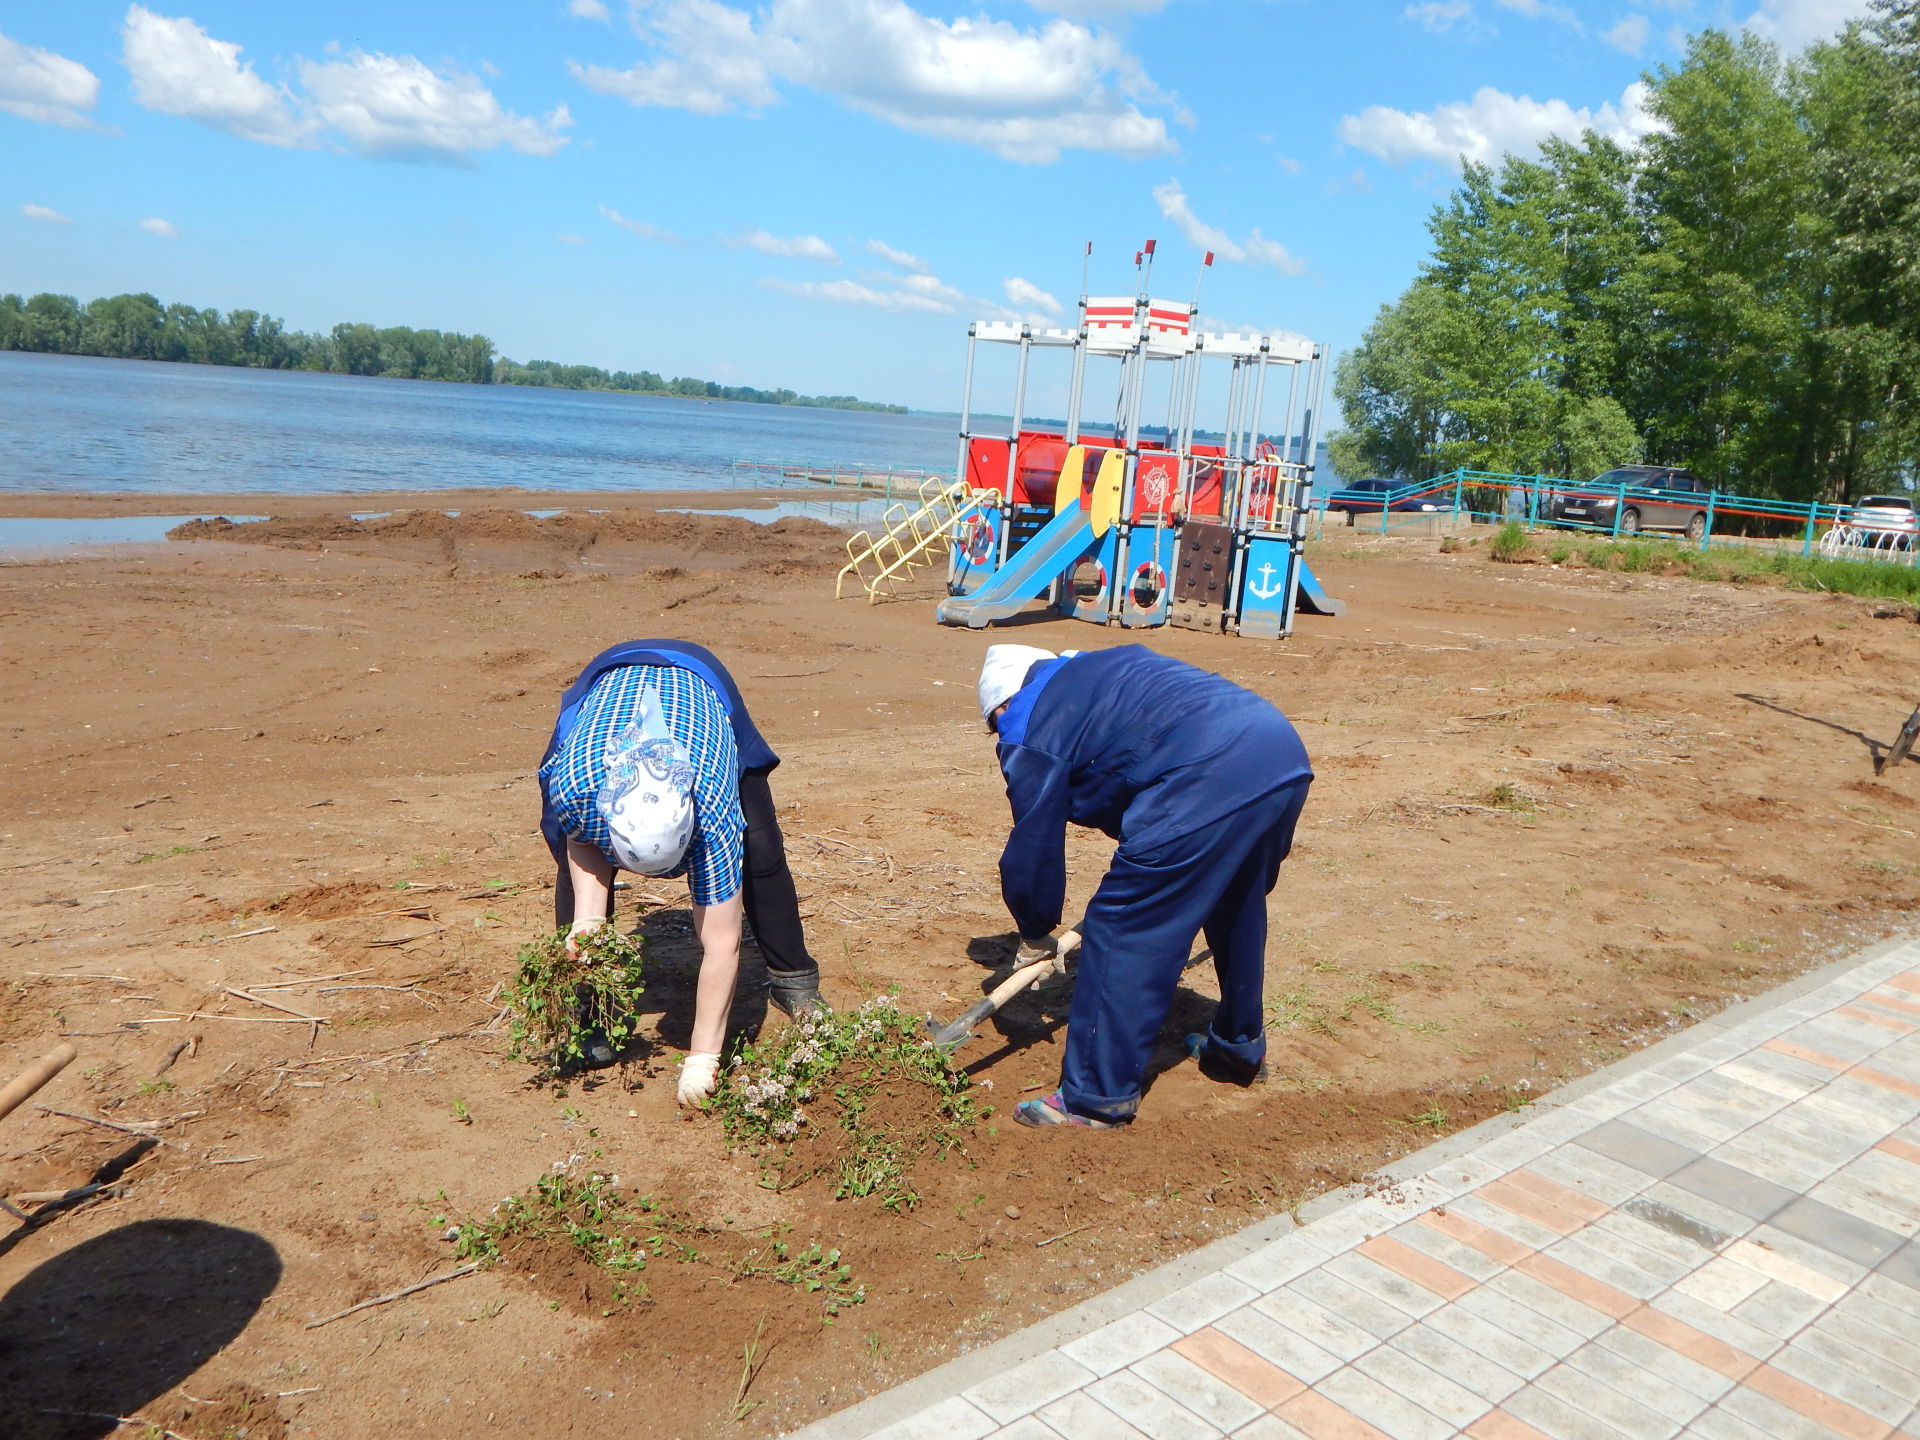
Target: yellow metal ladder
909 538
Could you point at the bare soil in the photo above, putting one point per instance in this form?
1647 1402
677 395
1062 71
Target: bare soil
1558 814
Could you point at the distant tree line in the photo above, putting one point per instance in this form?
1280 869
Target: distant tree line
1738 293
139 327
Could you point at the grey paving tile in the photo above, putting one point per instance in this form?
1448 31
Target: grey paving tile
1272 1265
1612 1265
1674 1249
1382 1407
1719 1424
1270 1427
1843 1382
1385 1285
1879 1329
1734 1093
1210 1398
1751 1073
1677 1125
1893 1107
1080 1417
1464 1366
1118 1344
1475 1264
1893 1294
1589 1393
1750 1339
1023 1389
1902 1381
1027 1428
1735 1188
1553 1416
1202 1302
1780 1310
1150 1409
1724 1283
1519 1320
1848 1106
1850 1190
951 1419
1429 1388
1903 1265
1272 1341
1841 1037
1788 1246
1771 1418
1313 1321
1591 1173
1502 1346
1351 1303
1777 1156
1554 1305
1653 1358
1833 1229
1485 1212
1639 1149
1822 1134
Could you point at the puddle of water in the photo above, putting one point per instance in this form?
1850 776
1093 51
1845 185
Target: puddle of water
17 534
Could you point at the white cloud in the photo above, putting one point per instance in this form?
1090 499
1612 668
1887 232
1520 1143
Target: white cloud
1025 295
1358 183
165 229
39 85
179 69
1288 164
45 214
896 257
1629 35
852 292
641 228
1490 125
571 239
1795 24
1026 94
1439 16
589 10
395 106
797 247
1256 249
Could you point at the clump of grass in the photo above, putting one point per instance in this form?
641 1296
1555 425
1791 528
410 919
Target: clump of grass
1506 796
1511 544
556 998
625 1234
859 1095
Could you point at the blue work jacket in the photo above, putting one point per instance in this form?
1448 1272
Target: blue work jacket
1132 743
755 754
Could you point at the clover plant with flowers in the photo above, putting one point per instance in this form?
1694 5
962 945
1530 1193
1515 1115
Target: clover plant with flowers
822 1074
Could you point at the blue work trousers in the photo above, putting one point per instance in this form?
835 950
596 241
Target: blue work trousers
1139 931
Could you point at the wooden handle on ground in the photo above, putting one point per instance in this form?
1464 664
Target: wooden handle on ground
34 1076
1027 974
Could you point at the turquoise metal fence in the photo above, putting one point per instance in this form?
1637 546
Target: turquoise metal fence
1616 510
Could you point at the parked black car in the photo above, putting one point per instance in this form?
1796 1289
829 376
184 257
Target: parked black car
1647 497
1370 497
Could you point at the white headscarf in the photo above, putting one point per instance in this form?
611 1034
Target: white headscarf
1004 671
646 797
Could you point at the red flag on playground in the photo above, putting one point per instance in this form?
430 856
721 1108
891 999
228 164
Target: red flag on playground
1209 259
1149 249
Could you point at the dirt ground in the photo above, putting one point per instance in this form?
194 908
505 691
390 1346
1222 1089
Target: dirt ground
1558 814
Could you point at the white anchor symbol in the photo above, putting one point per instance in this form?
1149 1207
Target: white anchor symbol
1270 588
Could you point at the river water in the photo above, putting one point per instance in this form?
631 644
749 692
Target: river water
77 423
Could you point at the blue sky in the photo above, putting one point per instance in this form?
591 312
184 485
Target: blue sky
811 193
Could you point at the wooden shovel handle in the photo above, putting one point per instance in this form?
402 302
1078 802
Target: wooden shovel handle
34 1076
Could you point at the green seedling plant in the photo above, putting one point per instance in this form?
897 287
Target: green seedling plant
556 998
809 1101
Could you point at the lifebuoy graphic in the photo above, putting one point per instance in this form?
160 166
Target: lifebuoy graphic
1148 585
976 539
1082 585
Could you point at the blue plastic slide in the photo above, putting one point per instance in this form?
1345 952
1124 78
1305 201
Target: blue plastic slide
1062 543
1313 599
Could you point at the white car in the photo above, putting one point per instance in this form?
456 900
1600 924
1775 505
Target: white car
1887 521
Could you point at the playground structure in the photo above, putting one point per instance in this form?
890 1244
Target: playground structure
1133 523
910 538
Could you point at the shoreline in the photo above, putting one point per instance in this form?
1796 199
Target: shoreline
105 504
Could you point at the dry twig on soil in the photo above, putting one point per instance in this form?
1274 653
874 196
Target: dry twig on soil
399 1294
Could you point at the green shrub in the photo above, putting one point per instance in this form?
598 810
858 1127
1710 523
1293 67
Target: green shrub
1511 543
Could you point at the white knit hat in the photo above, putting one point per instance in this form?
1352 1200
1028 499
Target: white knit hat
646 797
1004 671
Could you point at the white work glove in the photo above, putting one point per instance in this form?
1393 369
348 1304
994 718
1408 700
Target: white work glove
699 1074
579 928
1048 947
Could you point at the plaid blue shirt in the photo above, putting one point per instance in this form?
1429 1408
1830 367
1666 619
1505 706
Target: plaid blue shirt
698 719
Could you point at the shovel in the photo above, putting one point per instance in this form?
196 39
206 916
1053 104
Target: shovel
955 1033
34 1076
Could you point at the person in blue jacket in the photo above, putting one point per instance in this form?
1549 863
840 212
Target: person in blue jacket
1202 783
656 767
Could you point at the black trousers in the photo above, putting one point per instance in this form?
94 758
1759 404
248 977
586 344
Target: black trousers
772 906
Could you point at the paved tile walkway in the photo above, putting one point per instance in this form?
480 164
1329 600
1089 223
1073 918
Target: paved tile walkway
1714 1238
